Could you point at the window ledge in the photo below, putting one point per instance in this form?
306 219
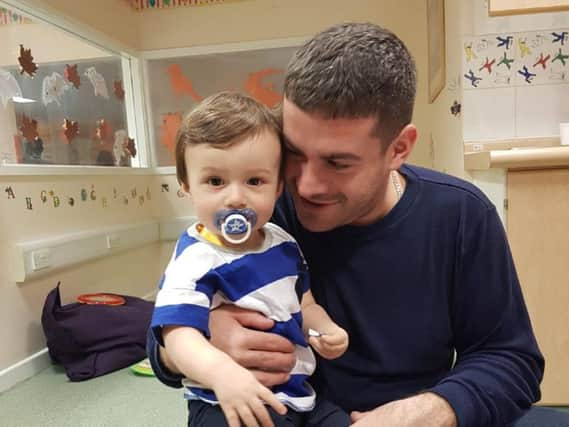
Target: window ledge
33 170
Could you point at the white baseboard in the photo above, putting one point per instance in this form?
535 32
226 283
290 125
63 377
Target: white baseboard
24 369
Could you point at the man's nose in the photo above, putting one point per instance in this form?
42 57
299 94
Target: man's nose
309 181
235 197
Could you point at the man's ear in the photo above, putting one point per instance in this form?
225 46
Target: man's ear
402 146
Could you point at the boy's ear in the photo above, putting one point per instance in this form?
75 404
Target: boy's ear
186 188
280 188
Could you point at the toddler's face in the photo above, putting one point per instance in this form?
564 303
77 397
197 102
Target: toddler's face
243 175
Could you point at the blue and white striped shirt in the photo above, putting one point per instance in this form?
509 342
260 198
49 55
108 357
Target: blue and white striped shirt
270 280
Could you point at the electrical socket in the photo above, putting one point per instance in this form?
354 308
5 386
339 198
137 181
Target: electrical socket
41 259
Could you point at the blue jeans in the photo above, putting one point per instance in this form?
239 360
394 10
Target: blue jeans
324 414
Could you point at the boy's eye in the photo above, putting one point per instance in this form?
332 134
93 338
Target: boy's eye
215 181
255 181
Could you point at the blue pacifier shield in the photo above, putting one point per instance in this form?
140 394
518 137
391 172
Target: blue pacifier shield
233 222
240 220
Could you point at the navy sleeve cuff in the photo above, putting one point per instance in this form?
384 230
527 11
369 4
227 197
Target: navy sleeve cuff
459 400
161 372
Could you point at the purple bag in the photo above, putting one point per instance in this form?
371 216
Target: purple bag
93 340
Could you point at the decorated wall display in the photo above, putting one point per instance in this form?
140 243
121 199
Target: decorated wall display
57 101
8 17
516 59
162 4
176 84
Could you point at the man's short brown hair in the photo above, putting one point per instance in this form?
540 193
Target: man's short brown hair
222 120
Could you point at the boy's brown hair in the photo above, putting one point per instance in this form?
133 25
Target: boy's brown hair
222 120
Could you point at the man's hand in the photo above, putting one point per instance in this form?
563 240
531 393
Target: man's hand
423 410
239 333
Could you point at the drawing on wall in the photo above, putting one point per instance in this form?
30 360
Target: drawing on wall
9 87
26 61
516 59
98 82
72 76
176 84
53 87
436 47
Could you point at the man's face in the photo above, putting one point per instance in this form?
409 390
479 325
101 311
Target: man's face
335 170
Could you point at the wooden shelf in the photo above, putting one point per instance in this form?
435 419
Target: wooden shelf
522 158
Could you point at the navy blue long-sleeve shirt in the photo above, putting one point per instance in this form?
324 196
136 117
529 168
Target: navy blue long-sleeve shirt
433 276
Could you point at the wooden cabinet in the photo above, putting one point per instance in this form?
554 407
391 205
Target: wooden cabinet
538 231
517 7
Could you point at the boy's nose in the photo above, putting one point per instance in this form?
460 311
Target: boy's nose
235 199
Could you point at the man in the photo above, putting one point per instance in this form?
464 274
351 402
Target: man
414 264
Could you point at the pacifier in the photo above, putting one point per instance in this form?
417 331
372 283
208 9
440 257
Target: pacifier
232 222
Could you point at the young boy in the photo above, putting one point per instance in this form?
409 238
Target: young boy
228 160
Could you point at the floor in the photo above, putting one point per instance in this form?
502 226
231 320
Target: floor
122 398
49 399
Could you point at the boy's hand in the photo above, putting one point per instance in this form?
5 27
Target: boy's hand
242 398
331 344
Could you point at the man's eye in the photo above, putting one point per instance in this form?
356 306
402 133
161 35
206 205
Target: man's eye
337 165
215 181
255 181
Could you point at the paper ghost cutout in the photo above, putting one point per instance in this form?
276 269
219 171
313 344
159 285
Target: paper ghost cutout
53 87
98 82
9 87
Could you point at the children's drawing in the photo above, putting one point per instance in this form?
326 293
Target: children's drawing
524 49
72 76
474 80
526 74
131 147
542 61
170 126
98 82
561 57
26 60
53 87
119 91
70 130
507 62
180 84
505 42
29 128
516 59
263 92
559 37
487 65
9 87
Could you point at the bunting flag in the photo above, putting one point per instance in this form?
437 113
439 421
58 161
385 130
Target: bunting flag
162 4
9 17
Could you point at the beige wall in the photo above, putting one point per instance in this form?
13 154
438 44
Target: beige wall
49 44
112 19
448 151
134 272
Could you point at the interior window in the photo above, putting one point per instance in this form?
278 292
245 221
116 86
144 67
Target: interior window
176 84
62 100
